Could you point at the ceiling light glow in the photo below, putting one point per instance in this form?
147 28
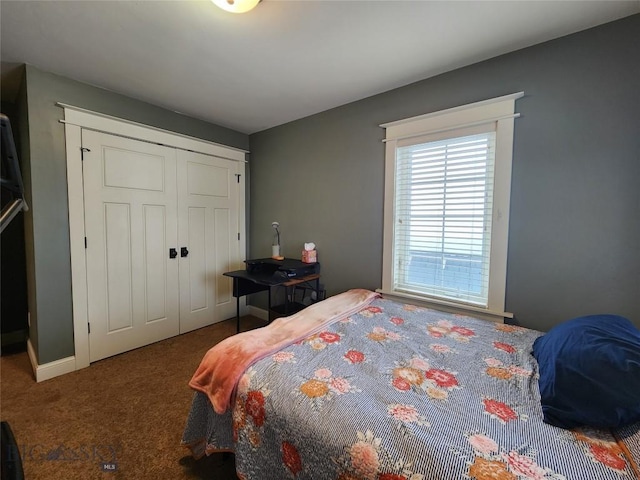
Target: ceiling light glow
236 6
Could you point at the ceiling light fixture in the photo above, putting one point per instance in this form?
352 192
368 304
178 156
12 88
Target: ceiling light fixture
236 6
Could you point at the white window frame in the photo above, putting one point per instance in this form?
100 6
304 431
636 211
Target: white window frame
499 111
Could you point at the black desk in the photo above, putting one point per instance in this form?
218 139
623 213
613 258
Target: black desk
245 283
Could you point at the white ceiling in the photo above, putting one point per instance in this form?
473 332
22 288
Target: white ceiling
282 61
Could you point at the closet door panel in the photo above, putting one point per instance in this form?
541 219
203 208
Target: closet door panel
117 229
208 228
224 254
199 283
130 224
155 265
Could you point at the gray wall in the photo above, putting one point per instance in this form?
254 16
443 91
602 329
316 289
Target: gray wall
47 224
574 229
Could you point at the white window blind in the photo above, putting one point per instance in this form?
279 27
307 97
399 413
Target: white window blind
443 217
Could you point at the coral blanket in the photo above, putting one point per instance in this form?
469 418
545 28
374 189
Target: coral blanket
224 364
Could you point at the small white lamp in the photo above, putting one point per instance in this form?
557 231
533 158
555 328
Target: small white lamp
236 6
275 246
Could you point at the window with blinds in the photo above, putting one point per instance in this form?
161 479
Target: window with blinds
443 210
446 207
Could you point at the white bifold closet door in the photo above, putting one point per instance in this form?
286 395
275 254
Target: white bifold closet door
161 227
208 228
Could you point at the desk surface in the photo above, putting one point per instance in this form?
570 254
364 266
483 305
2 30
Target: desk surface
271 279
268 271
259 277
284 264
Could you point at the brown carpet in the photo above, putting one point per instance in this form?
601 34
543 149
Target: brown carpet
128 410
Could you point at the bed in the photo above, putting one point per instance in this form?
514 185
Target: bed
390 391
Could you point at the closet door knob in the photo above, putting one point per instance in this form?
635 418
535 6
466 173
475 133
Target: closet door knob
184 252
173 253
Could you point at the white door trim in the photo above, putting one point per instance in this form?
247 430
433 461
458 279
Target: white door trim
75 119
75 194
117 126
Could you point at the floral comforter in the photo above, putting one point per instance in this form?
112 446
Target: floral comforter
400 392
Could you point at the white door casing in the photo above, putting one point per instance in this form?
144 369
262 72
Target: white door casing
76 120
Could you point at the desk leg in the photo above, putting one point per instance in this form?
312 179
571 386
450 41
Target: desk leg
235 287
286 301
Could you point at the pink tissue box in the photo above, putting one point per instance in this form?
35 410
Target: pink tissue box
309 256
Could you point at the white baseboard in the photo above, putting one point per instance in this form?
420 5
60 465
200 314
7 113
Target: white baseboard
68 364
258 312
51 369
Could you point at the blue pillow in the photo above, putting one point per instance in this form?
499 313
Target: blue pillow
590 372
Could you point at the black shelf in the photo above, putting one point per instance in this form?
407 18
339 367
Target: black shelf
289 309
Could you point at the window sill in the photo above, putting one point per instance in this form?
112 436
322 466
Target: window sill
443 305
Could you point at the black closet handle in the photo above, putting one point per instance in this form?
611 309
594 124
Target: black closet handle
173 253
184 252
